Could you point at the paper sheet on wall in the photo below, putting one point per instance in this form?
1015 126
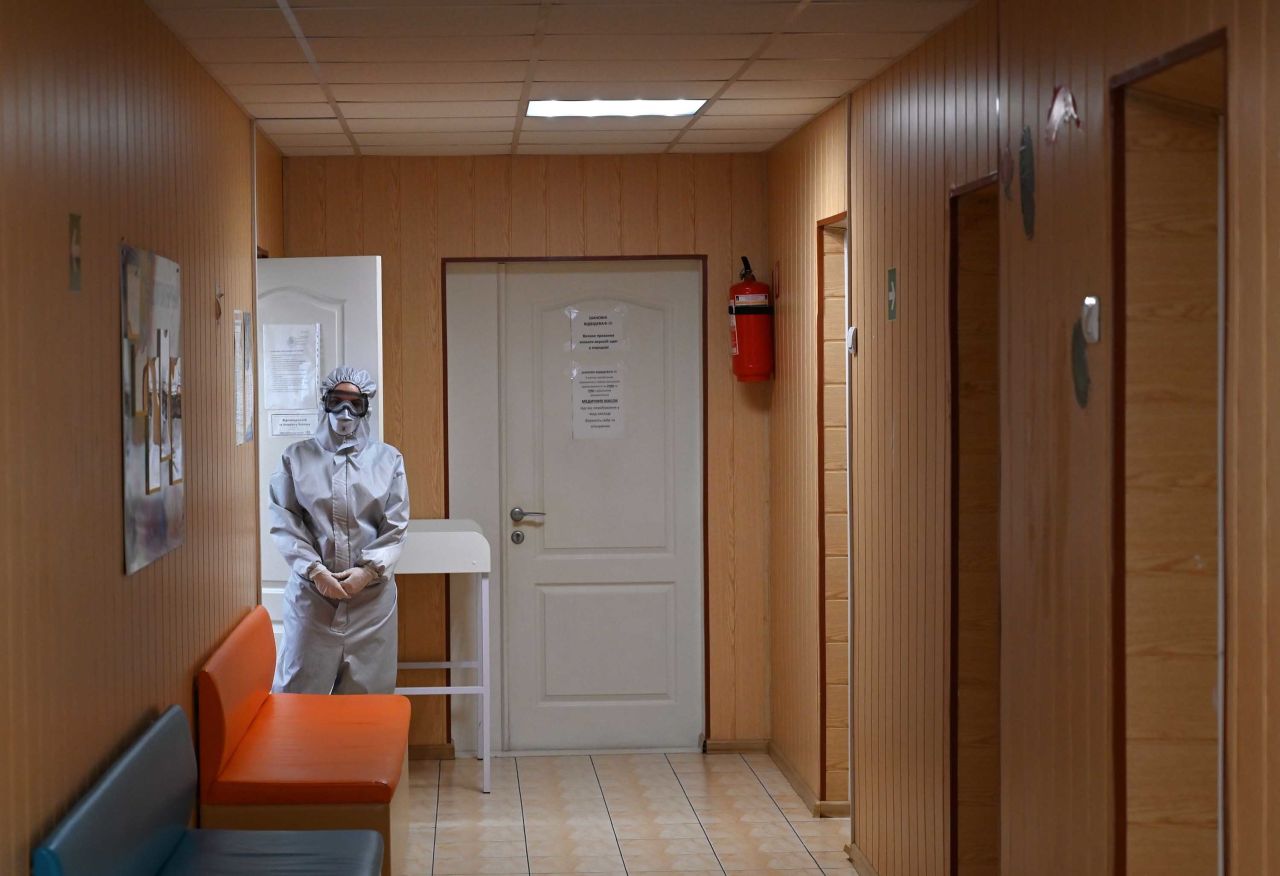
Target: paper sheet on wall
291 366
297 424
242 356
598 328
597 402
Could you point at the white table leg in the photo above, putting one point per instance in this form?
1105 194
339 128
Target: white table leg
486 682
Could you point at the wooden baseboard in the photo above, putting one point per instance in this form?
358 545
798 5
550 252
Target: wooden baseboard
861 865
802 788
834 808
442 751
721 746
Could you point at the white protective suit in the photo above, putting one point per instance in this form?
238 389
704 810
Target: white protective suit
339 502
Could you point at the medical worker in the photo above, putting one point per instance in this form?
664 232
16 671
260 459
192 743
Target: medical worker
339 511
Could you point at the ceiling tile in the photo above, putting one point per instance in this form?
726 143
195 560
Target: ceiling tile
591 149
622 90
416 49
411 21
300 126
289 110
788 122
719 147
437 109
290 140
277 93
596 137
159 5
843 45
499 123
624 71
435 138
429 92
239 51
647 123
764 107
863 16
776 88
436 150
429 71
646 47
846 68
734 135
367 4
706 18
227 23
310 151
262 74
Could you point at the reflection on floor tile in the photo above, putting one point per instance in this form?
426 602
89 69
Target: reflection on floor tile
686 814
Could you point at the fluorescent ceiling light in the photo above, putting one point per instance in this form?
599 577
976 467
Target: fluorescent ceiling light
550 109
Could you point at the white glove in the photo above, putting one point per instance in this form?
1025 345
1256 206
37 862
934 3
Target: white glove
356 579
327 584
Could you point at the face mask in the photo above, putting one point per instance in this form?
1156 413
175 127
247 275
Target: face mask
343 423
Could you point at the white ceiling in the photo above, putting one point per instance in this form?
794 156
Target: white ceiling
438 77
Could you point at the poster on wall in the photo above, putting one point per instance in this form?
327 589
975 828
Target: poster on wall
242 368
151 409
291 366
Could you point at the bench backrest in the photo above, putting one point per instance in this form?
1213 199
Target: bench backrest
231 688
134 816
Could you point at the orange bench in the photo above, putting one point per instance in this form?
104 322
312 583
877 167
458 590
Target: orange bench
298 761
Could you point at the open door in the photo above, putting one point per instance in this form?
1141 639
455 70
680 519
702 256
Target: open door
975 531
313 315
1170 340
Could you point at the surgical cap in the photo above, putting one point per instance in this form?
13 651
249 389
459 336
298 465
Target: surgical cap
362 380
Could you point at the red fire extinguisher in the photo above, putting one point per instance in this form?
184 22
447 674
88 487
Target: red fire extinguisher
751 327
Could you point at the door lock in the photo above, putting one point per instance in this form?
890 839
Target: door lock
517 537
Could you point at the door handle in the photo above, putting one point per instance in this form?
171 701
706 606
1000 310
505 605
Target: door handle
518 514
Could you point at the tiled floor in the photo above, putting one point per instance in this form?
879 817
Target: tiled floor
650 813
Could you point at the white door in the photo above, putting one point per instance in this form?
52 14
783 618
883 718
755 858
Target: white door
338 302
602 402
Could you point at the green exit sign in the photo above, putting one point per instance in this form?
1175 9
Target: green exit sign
893 293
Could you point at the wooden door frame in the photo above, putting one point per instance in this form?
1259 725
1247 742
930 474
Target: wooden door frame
822 226
1116 94
444 373
953 489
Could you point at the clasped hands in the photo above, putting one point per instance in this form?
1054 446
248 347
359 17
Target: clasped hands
342 585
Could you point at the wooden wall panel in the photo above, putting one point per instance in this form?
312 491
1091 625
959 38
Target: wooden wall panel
103 113
1060 814
923 127
270 195
416 211
807 183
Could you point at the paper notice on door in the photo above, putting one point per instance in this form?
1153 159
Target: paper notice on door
598 328
597 402
301 424
291 366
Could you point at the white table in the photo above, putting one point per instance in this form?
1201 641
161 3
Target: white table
442 547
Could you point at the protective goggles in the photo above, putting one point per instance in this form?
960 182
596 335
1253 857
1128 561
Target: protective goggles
356 402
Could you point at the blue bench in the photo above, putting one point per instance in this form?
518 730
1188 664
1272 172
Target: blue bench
133 822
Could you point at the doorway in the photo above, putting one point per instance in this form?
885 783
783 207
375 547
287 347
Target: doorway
975 530
833 511
575 400
1169 583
